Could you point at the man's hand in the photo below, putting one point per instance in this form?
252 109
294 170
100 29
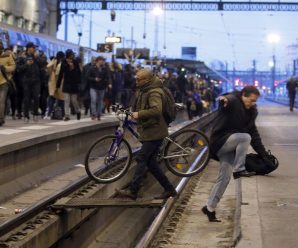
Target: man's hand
30 62
135 115
224 100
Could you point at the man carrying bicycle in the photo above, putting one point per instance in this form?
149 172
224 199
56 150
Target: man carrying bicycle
152 128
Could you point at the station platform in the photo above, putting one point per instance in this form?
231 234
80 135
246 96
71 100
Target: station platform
269 216
14 132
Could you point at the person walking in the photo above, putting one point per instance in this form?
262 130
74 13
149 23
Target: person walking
71 73
54 93
292 86
152 128
98 81
7 67
234 131
30 68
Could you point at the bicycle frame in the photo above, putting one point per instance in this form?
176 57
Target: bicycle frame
119 133
128 124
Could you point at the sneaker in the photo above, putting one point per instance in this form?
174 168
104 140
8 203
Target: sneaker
243 173
211 215
26 119
79 116
66 118
126 193
93 118
166 195
46 117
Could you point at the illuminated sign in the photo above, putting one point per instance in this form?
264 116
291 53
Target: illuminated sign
113 39
105 48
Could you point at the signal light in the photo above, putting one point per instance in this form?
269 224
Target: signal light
113 15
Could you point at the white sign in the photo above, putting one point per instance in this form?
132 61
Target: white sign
113 39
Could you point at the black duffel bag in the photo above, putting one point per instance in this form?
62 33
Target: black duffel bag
261 165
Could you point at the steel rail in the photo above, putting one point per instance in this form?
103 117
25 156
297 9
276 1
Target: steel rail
33 210
152 230
38 207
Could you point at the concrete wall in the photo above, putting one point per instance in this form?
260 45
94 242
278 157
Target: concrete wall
23 166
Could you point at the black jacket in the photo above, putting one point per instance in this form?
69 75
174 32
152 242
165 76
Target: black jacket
234 118
71 76
29 73
101 73
292 85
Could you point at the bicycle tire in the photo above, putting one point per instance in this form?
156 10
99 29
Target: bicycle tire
104 168
193 141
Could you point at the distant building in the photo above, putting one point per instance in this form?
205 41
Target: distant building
39 16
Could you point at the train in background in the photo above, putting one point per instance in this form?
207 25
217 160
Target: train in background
18 38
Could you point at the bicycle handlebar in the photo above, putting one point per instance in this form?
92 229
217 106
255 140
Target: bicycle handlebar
119 109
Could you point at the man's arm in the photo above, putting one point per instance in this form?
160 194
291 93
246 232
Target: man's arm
154 107
256 142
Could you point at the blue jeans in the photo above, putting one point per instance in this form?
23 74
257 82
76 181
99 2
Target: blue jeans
97 97
147 160
3 95
232 158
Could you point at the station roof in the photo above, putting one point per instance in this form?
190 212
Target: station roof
195 66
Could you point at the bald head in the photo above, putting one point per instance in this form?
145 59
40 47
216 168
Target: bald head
144 76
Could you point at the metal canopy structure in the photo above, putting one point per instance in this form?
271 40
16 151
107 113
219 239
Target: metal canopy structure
195 66
186 5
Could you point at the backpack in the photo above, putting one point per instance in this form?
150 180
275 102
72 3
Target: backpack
57 113
259 165
169 110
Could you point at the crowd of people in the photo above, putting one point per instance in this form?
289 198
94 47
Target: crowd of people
33 86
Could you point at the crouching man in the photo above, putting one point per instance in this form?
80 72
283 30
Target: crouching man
234 131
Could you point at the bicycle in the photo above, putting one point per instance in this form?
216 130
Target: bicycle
109 157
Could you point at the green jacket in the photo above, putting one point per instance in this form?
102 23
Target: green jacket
151 124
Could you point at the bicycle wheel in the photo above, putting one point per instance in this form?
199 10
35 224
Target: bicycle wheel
187 153
107 160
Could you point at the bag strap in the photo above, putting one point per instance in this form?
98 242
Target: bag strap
4 75
152 91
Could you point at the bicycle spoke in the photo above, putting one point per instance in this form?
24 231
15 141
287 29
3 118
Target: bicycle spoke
185 149
107 160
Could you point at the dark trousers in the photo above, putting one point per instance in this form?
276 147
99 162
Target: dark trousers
292 95
147 160
31 92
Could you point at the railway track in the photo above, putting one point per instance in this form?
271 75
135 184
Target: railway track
39 225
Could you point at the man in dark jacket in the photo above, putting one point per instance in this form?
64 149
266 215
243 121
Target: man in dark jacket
30 69
292 86
152 128
234 131
98 82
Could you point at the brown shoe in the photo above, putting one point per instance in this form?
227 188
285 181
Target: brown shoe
126 193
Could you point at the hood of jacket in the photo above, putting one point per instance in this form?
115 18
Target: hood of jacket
153 83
